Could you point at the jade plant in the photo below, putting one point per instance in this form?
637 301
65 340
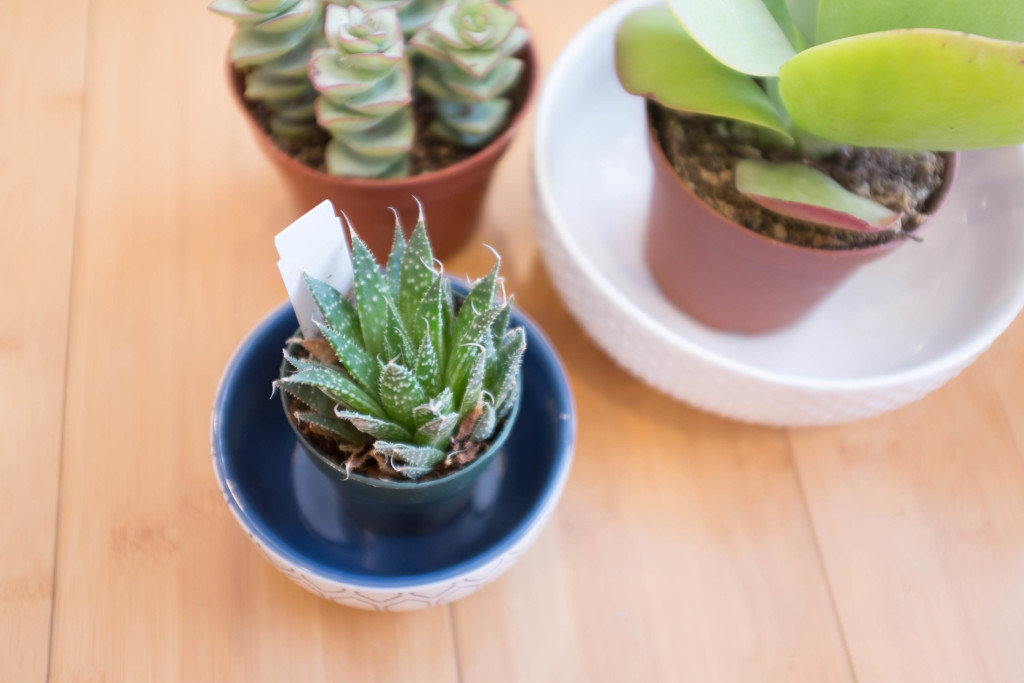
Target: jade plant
343 66
403 375
365 87
272 47
815 75
468 47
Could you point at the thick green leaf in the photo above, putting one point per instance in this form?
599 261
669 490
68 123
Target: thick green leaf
376 427
361 365
337 386
917 89
474 385
371 296
479 300
428 366
1003 19
342 429
806 193
395 259
656 59
438 431
780 13
462 356
510 353
431 319
483 428
742 34
435 407
335 308
400 392
805 16
417 274
418 459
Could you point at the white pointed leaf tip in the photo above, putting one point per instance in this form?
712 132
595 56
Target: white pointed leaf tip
493 251
504 294
398 217
440 266
421 219
348 223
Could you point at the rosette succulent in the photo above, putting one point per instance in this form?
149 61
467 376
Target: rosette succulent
365 87
412 14
913 75
272 47
468 47
403 375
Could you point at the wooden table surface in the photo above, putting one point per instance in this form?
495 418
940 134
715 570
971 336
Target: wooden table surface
137 251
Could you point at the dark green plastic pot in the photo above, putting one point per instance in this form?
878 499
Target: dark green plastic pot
400 508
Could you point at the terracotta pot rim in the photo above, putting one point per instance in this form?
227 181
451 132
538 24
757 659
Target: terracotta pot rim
493 148
938 198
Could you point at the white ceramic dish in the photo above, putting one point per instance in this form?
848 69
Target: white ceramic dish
898 329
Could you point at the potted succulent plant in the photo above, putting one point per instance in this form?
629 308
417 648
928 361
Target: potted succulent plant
795 141
412 389
369 102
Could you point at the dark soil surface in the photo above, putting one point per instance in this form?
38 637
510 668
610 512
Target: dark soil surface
429 152
704 151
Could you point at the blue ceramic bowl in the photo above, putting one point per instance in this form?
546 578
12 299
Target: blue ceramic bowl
293 512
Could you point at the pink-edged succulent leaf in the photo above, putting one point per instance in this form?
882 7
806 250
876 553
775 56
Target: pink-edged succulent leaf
742 34
805 193
1002 19
911 89
657 59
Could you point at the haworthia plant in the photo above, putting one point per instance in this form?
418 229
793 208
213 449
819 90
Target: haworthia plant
365 87
272 47
916 75
468 47
416 378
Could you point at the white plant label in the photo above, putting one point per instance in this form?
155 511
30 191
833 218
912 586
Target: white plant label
315 245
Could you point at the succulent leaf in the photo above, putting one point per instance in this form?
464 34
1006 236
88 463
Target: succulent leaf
418 460
914 89
417 274
1001 19
480 299
400 392
431 319
656 58
441 404
361 365
338 428
806 193
371 297
484 426
511 357
474 386
438 431
394 268
428 366
742 34
376 427
338 386
334 307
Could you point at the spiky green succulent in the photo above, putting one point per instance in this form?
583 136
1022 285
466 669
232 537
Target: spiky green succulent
913 75
416 378
365 87
412 14
272 47
468 46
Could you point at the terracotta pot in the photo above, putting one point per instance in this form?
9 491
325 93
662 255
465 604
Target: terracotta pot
731 278
452 197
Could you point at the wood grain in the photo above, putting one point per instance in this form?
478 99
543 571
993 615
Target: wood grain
920 518
686 547
40 120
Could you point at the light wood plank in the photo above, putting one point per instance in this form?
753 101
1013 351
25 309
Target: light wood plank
40 121
176 263
920 517
682 551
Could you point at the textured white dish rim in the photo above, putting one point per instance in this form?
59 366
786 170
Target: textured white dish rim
560 71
